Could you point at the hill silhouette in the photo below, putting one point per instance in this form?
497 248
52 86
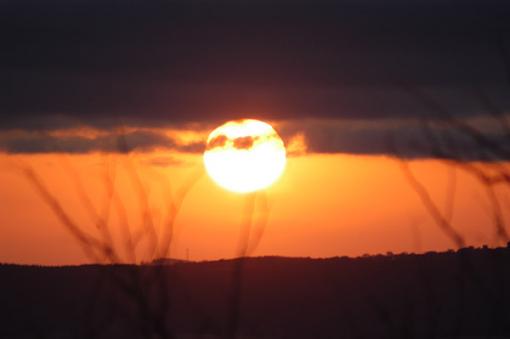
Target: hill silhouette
453 294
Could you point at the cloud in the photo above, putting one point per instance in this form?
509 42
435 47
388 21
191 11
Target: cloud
158 63
244 142
342 75
117 142
217 141
475 138
239 143
484 139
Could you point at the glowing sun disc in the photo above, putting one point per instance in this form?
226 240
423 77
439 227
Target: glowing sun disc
244 155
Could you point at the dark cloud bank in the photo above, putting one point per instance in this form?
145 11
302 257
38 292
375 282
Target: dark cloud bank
154 63
117 142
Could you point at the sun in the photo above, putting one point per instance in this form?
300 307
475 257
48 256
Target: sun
244 156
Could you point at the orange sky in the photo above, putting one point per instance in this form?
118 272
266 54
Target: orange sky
340 90
323 205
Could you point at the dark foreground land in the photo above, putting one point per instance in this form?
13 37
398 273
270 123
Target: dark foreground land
462 294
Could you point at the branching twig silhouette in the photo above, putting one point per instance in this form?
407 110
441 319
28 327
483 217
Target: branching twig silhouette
136 284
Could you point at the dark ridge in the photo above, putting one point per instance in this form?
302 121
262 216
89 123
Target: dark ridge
451 294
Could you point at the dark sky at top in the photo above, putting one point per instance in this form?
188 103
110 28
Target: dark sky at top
103 62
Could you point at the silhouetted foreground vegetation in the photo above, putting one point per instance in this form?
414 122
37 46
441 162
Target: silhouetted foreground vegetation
434 295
